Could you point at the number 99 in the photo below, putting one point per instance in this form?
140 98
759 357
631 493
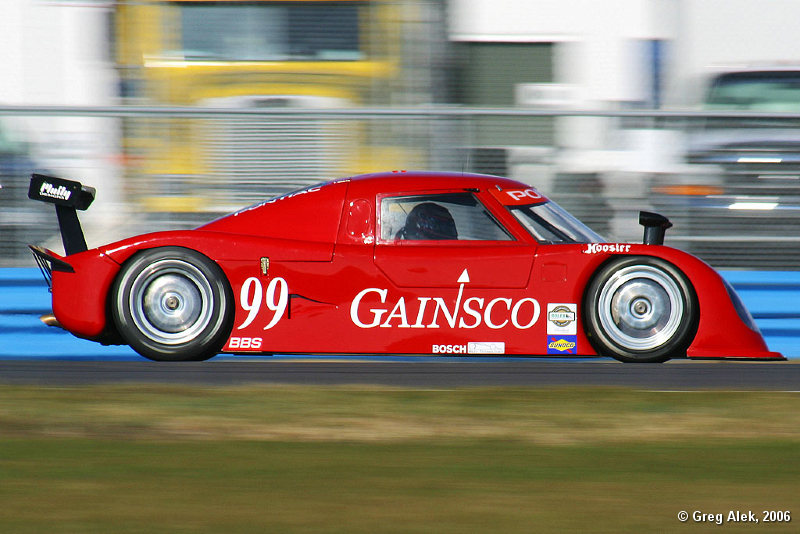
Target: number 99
276 300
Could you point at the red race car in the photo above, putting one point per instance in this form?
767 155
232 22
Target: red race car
393 263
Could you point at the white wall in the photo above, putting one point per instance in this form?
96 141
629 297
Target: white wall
56 53
601 53
552 19
599 41
600 37
715 35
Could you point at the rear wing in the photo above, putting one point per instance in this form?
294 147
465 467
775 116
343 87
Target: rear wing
68 197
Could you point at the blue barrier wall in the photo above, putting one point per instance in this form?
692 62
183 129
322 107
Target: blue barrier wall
23 298
772 297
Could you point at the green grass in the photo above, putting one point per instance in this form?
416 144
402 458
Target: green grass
352 460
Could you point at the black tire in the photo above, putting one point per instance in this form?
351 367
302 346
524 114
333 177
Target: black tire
640 309
172 304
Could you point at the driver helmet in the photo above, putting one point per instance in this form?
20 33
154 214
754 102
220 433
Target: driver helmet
429 221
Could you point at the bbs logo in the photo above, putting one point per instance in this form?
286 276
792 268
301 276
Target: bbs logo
245 343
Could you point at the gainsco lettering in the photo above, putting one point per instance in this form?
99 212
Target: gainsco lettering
595 248
435 312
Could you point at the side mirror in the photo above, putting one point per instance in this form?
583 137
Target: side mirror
655 226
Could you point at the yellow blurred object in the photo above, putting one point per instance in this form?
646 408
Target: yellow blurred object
173 204
258 55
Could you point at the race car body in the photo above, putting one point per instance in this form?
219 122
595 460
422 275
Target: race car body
397 263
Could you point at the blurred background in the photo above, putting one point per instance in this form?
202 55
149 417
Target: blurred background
180 111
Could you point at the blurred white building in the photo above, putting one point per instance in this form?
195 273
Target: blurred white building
58 53
611 55
573 54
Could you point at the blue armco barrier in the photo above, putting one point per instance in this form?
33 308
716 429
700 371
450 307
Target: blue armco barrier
23 298
772 297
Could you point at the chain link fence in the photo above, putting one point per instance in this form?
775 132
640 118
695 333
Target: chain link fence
734 203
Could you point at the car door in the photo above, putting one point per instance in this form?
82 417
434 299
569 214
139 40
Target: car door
444 239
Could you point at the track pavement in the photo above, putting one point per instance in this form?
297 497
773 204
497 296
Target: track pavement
674 375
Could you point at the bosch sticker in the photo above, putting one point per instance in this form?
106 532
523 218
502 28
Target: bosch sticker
473 347
449 349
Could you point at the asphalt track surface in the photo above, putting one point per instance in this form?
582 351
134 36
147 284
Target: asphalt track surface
675 375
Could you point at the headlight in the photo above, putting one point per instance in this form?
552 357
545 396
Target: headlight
744 313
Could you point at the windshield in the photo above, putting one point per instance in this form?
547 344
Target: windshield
549 223
272 31
777 91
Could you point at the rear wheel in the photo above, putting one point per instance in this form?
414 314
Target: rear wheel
640 309
172 304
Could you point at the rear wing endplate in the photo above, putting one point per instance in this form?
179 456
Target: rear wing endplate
68 197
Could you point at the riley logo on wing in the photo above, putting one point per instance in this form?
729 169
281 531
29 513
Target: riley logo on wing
49 190
435 312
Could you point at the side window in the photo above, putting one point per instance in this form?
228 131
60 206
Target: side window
438 217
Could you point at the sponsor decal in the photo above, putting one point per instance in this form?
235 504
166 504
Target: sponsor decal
473 347
252 296
49 190
294 194
486 347
562 318
596 248
245 343
562 344
284 197
450 349
531 194
436 312
423 312
518 197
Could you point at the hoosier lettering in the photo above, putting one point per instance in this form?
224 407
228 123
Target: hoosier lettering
594 248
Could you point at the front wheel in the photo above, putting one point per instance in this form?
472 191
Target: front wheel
172 304
640 309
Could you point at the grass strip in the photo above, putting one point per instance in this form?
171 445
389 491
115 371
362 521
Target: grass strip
354 459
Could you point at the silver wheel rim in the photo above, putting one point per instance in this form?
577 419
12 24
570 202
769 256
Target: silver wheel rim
170 302
640 307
